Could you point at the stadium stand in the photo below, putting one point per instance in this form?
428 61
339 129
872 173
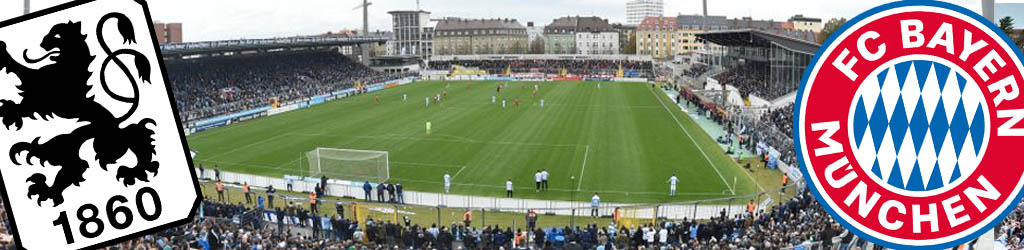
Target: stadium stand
748 78
206 87
799 221
764 64
1010 233
696 70
775 128
576 67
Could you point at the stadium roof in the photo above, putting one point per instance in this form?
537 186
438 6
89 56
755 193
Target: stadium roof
757 38
180 49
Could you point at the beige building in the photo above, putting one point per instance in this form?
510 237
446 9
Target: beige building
687 28
457 36
656 37
802 23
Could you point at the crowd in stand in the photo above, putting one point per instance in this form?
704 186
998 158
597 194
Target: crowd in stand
775 129
795 222
206 87
1010 232
576 67
749 78
752 78
696 70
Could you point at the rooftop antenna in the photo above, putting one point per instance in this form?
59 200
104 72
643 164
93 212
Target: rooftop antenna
418 5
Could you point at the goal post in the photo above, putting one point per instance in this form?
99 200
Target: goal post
348 164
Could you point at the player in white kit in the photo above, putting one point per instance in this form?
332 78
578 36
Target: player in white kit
508 188
544 179
537 179
447 182
672 185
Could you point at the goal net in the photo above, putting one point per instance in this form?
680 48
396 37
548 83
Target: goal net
348 164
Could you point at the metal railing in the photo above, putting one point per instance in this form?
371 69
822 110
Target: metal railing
575 210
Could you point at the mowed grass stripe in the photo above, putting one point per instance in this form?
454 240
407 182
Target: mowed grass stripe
633 146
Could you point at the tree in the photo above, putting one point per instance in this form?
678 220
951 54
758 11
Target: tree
537 46
1020 39
517 48
630 47
1006 24
830 27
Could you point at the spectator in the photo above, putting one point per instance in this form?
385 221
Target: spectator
211 86
367 188
220 190
270 195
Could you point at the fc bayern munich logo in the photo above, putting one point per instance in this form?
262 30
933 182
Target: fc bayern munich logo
908 125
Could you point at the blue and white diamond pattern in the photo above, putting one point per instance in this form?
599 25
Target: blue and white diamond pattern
918 125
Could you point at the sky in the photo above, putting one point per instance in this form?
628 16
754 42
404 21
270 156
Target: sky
1015 10
205 20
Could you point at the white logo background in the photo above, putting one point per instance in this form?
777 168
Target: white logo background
173 183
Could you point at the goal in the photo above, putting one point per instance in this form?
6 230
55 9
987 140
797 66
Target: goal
348 164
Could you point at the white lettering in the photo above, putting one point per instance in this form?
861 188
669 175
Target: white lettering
846 68
832 146
831 170
990 193
951 211
932 217
862 46
864 204
970 48
944 37
1007 129
1004 94
911 29
986 63
883 214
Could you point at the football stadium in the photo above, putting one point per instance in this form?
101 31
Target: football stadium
444 130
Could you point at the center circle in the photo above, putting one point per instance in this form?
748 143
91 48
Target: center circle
918 125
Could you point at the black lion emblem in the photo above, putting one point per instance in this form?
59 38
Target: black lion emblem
60 89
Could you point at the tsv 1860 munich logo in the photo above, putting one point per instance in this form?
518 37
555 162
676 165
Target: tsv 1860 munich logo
908 125
91 150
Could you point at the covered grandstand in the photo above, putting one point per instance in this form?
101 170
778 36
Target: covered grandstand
763 64
583 66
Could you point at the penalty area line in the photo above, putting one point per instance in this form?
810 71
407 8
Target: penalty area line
584 168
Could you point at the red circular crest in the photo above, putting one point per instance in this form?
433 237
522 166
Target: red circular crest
908 122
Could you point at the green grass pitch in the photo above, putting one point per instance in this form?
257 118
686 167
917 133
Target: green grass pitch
622 140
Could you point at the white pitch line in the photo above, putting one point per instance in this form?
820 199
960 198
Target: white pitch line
584 168
502 187
720 176
459 172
